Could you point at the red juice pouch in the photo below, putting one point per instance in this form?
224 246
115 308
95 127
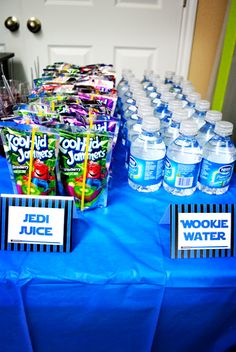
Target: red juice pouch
31 153
84 161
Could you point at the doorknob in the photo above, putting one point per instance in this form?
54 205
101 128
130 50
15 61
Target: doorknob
12 23
34 25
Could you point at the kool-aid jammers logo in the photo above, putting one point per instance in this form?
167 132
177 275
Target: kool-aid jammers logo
204 230
21 145
101 127
75 149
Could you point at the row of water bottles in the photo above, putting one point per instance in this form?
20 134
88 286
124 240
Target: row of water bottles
172 138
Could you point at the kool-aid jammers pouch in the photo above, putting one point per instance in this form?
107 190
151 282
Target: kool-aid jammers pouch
31 152
84 160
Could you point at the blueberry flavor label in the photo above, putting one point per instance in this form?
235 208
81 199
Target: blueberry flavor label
145 172
215 175
180 175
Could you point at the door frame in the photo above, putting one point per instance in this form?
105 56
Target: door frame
186 37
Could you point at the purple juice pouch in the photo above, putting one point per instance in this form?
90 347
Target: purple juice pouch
107 101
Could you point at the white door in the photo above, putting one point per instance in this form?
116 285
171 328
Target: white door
135 34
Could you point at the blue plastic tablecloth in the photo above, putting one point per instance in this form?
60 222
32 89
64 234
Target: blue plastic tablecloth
118 290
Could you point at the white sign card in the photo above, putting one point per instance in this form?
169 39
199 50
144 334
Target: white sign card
35 225
204 231
201 230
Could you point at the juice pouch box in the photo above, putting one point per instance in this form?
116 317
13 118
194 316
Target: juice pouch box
31 152
84 161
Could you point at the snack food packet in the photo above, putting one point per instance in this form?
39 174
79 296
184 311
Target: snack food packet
31 153
84 160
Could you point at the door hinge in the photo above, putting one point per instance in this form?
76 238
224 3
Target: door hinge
184 3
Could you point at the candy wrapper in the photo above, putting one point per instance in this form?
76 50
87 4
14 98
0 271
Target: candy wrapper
84 161
31 152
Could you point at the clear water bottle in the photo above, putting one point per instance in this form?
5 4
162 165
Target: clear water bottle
122 88
176 86
124 104
183 160
207 130
129 101
123 84
147 155
146 78
171 132
166 120
175 104
191 100
160 89
201 108
186 90
133 129
169 77
146 74
130 111
161 110
219 155
155 84
151 89
186 83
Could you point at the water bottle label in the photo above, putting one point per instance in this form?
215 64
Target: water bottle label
181 176
215 175
145 172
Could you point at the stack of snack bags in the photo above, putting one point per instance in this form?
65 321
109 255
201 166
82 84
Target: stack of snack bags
61 141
